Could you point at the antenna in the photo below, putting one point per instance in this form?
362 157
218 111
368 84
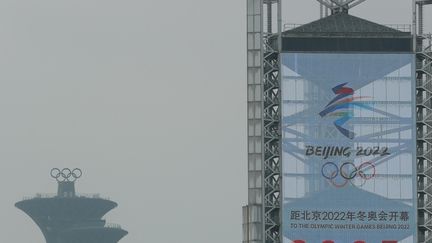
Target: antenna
338 6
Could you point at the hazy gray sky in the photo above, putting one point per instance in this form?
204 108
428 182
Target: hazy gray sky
147 97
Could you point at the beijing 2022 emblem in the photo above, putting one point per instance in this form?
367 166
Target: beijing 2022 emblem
342 106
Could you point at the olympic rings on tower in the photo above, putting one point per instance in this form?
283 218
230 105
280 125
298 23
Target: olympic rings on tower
348 171
66 174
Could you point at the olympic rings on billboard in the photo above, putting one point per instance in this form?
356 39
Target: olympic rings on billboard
366 166
66 174
329 170
348 170
339 184
357 176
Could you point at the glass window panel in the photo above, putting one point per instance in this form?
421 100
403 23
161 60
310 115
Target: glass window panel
257 23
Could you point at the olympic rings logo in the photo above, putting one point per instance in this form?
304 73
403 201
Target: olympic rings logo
339 176
66 174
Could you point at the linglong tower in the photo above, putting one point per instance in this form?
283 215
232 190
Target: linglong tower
270 115
67 217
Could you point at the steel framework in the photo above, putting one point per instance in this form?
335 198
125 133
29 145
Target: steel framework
261 216
422 47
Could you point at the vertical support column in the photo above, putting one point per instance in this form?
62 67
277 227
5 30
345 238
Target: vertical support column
424 141
252 213
414 24
420 19
321 10
271 128
252 224
269 17
261 219
424 123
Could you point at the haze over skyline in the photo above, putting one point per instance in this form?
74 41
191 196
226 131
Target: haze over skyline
147 98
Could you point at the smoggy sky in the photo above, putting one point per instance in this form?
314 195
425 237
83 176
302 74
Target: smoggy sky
147 97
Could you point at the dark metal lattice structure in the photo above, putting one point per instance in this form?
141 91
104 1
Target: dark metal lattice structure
423 49
261 217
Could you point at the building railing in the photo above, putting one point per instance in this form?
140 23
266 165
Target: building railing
290 26
53 195
400 27
113 226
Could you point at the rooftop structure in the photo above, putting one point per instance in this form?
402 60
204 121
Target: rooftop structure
67 217
343 32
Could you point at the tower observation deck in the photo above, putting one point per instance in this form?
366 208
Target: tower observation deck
67 217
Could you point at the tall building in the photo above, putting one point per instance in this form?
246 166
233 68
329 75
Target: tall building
340 83
67 217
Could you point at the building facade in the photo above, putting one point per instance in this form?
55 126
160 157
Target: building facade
335 32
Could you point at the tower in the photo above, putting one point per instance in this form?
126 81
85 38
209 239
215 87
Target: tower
67 217
423 50
267 39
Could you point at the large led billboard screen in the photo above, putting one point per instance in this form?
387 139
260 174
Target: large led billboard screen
348 138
